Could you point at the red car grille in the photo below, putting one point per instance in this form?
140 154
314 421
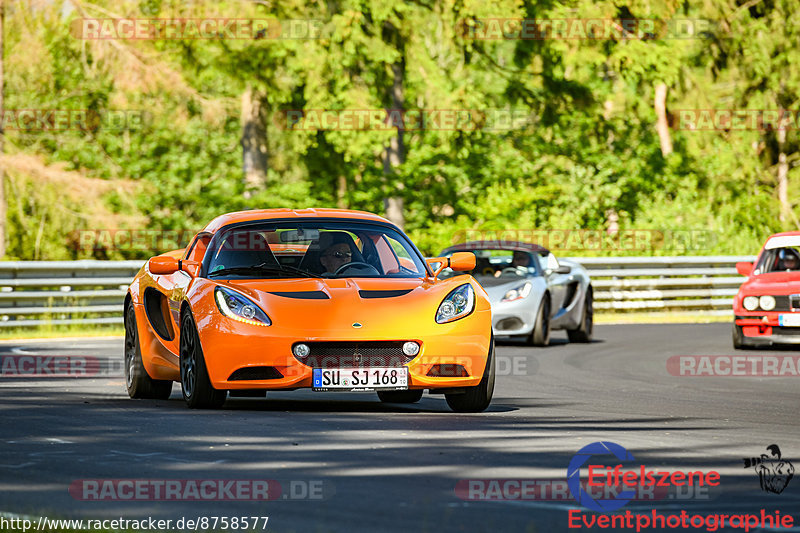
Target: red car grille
787 303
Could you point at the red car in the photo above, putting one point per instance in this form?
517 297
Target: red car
767 308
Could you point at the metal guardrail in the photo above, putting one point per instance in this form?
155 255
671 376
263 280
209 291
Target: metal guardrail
35 293
690 284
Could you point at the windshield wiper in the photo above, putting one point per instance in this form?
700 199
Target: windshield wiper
290 268
263 268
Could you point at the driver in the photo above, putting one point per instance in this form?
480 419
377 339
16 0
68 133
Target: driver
521 259
518 260
334 256
789 260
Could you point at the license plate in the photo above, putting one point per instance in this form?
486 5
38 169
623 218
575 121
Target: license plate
789 320
360 379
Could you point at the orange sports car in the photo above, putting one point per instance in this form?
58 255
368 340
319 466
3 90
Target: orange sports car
327 299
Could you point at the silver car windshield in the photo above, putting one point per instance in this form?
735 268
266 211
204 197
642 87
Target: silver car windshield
500 265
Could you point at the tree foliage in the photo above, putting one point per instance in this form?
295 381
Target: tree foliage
587 154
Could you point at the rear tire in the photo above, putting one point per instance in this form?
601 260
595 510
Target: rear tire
195 383
400 396
540 336
583 333
138 382
477 398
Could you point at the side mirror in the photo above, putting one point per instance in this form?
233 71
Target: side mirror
162 264
744 268
563 269
462 261
190 267
459 261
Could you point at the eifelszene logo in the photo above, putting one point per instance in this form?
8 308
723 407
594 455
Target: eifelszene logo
574 476
612 478
774 473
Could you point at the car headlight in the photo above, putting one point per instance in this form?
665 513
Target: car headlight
750 303
458 304
767 303
517 293
239 307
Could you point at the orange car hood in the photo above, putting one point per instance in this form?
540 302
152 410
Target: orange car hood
346 304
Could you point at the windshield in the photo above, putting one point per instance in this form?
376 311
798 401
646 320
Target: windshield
312 249
786 259
500 264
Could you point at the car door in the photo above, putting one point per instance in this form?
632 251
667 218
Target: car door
177 284
557 282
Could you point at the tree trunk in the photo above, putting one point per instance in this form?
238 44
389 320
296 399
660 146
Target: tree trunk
662 126
341 192
2 137
783 177
254 141
393 156
395 153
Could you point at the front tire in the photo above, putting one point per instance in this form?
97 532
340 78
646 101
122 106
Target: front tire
540 336
477 398
583 333
739 340
138 382
400 396
195 383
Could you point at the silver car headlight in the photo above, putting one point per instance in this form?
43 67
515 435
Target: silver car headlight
750 303
517 293
458 304
239 307
767 303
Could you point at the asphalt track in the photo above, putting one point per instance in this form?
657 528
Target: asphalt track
346 462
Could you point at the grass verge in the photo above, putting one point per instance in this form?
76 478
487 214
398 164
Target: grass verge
659 318
49 332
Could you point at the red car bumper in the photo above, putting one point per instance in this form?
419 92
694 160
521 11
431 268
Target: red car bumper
768 327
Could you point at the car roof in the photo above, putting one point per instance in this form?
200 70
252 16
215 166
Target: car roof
515 246
286 213
781 240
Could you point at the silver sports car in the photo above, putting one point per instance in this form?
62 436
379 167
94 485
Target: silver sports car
531 291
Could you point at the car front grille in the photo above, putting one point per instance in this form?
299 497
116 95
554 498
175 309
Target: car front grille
789 302
337 354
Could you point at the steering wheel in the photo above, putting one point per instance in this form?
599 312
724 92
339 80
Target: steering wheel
354 263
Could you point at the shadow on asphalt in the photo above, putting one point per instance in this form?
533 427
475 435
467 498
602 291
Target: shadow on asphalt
554 343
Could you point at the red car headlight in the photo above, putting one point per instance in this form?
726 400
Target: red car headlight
767 303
